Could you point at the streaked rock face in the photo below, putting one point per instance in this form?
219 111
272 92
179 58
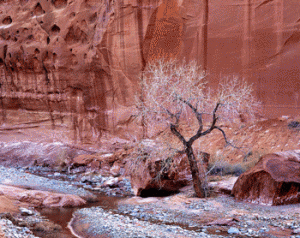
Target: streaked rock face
86 56
274 180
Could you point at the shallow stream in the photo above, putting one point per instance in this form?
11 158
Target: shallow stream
62 216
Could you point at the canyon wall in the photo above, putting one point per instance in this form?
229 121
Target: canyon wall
85 56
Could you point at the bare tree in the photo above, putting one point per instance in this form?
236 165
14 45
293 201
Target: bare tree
174 92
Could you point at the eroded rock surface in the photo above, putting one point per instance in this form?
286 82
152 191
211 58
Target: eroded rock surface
42 198
274 180
85 57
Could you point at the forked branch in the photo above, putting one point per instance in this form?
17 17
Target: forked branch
225 138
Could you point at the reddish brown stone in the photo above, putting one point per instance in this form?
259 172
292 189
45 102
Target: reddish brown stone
160 175
274 180
41 198
84 159
95 164
115 170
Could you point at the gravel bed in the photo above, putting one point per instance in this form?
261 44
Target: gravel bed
92 181
116 225
12 231
162 214
249 220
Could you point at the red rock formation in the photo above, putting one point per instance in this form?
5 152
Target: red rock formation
107 164
156 169
86 56
42 198
274 180
155 176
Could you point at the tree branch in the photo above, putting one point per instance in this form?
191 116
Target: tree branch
199 119
177 133
194 109
214 121
225 138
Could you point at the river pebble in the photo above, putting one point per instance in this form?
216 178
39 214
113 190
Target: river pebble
234 230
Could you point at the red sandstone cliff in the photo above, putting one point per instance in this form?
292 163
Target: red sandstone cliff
85 56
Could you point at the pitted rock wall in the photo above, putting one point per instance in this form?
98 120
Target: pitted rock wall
85 56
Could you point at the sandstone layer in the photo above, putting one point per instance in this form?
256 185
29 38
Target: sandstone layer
86 56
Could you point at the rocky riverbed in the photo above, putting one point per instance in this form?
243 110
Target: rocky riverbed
177 215
182 215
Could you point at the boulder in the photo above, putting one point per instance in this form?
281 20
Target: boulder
41 198
160 173
223 186
110 164
274 180
115 170
90 161
84 160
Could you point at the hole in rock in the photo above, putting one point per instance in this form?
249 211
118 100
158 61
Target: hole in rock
30 37
48 40
156 193
1 61
75 35
45 56
93 17
4 51
7 20
36 51
60 3
55 29
289 189
38 10
75 61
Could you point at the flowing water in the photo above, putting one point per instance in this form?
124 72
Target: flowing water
62 216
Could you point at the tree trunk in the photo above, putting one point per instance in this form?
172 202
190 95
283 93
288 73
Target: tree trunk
198 178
